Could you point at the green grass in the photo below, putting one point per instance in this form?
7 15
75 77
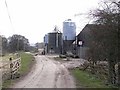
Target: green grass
85 79
57 58
7 83
26 65
26 61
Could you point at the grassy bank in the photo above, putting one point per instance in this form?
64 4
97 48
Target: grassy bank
27 61
87 80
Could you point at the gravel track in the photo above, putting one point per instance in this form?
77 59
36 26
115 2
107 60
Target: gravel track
47 73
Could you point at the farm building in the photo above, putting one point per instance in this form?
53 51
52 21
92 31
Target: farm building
84 39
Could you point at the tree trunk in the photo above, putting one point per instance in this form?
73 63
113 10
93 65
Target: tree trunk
119 74
111 74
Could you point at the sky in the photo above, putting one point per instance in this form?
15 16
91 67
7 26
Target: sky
35 18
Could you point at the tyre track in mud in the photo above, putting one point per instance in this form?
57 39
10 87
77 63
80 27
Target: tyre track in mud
47 73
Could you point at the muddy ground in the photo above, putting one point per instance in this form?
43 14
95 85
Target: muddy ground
49 73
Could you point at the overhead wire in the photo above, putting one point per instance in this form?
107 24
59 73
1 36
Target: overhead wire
11 23
9 16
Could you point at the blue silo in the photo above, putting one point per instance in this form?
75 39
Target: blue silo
46 43
69 35
69 30
46 38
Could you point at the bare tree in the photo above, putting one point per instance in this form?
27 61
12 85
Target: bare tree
107 40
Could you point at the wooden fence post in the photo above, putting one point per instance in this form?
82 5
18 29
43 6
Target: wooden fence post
11 65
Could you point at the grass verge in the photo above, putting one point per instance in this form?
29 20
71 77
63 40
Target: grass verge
27 61
57 58
87 80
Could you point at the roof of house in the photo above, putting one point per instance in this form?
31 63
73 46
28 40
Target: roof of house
91 27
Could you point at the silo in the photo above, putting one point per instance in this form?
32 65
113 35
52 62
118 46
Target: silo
69 30
46 38
46 43
69 34
54 42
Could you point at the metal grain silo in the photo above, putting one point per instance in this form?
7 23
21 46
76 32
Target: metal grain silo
69 30
46 38
46 43
54 42
69 34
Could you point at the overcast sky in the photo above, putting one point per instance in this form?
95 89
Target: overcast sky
34 18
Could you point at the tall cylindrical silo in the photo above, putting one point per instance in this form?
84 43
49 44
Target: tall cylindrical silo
69 30
46 38
69 34
46 43
54 42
